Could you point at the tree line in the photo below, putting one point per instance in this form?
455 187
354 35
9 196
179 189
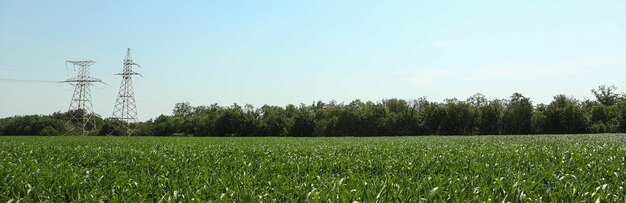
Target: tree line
391 117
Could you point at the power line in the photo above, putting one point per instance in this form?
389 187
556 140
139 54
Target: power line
28 81
34 52
28 69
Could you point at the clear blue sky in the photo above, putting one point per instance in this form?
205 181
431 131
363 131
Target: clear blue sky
282 52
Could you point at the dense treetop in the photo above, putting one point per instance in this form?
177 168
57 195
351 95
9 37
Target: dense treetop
473 116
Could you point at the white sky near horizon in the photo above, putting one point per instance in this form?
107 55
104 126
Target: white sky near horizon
292 52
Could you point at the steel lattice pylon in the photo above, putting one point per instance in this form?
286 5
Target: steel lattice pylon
125 108
81 110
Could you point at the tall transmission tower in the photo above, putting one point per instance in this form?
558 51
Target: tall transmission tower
81 110
125 109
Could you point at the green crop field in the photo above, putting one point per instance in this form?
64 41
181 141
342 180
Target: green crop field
552 168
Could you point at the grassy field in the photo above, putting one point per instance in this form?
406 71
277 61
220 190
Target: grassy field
490 168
